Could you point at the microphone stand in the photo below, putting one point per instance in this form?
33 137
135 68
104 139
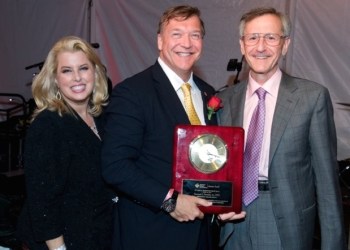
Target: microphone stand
239 68
41 64
233 65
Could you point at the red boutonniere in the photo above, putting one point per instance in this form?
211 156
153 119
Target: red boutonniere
214 104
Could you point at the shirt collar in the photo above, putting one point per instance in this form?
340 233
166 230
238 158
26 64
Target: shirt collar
271 85
175 80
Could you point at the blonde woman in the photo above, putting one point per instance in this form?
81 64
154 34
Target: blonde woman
68 205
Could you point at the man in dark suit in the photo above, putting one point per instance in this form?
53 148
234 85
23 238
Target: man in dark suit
297 166
138 143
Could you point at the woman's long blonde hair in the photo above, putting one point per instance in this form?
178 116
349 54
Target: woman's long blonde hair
45 91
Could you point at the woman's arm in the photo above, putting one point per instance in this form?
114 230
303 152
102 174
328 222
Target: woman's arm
56 244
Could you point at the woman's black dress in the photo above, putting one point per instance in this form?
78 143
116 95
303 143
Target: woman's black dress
66 194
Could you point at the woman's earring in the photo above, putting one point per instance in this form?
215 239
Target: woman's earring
58 95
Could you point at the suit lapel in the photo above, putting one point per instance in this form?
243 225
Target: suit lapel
233 112
286 103
205 98
172 106
206 94
170 100
237 107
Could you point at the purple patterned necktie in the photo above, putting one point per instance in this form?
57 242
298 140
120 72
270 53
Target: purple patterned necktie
253 149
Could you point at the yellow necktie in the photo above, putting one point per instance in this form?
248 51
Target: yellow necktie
190 110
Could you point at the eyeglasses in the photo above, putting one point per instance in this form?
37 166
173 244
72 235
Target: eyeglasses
270 39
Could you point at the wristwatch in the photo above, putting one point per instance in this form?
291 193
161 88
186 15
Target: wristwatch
169 205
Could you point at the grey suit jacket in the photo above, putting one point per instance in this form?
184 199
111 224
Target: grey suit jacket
303 170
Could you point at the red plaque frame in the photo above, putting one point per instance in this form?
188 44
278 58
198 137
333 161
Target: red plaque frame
222 186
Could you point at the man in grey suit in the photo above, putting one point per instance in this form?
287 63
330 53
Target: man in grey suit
297 172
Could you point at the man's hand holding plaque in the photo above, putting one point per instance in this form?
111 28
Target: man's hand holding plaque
208 164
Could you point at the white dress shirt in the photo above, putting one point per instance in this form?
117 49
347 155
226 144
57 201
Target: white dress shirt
176 82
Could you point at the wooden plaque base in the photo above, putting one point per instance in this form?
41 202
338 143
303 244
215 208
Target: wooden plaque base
208 164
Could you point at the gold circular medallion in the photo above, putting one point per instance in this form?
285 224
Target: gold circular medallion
208 153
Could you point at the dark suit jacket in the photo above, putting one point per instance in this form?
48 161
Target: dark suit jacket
303 172
137 159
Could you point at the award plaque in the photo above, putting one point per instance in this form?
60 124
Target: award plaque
208 164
